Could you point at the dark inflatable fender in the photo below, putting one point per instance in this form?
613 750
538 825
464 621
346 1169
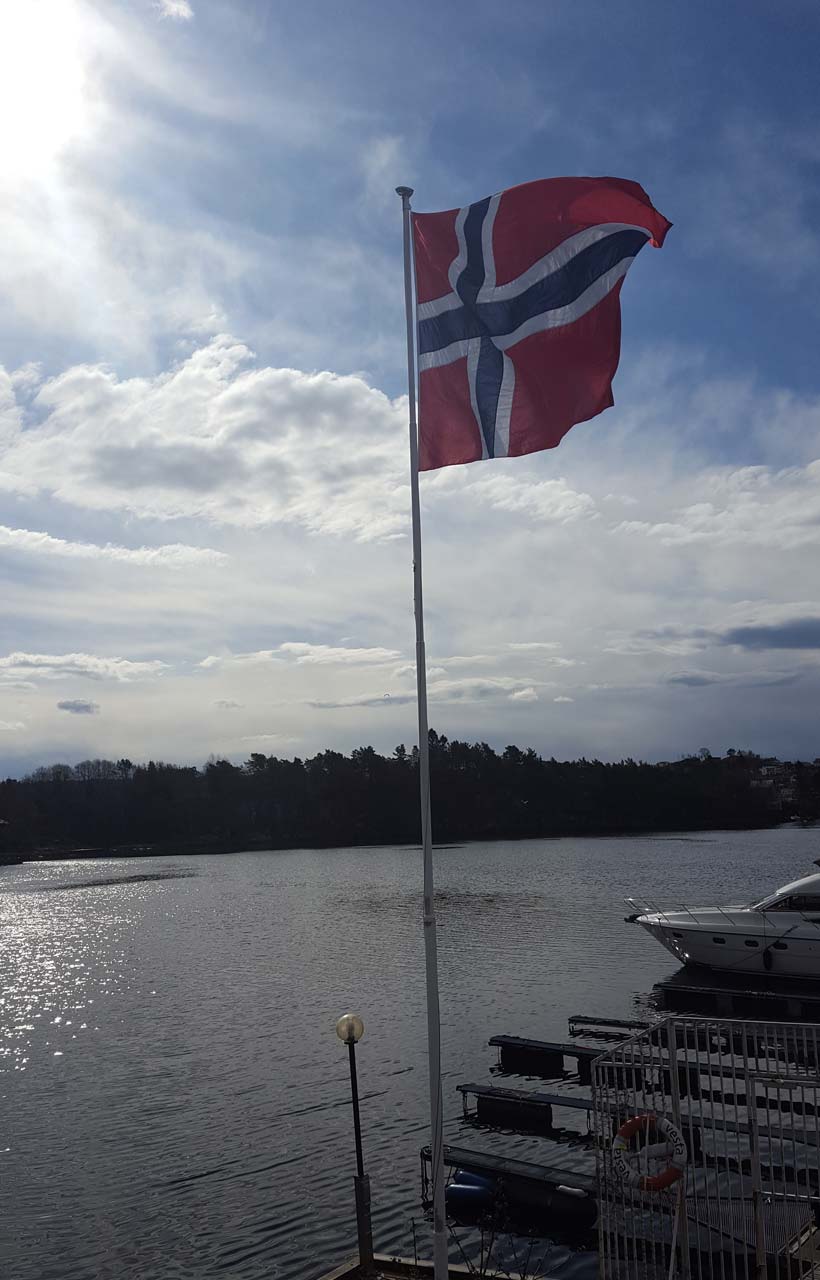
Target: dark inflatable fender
467 1204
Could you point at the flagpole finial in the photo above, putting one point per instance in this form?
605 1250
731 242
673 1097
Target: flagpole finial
404 191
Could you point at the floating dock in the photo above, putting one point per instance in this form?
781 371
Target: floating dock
540 1175
725 998
523 1110
521 1056
386 1267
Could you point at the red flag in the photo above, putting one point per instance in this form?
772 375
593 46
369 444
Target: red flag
518 309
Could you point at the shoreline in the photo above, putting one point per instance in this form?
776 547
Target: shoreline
222 849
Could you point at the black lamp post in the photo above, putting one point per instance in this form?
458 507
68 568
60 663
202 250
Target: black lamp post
350 1029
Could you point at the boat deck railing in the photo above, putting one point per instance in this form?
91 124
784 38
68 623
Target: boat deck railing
735 916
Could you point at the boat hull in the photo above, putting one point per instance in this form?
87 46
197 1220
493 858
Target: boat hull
757 945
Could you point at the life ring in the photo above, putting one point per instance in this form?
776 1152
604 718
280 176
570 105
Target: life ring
673 1145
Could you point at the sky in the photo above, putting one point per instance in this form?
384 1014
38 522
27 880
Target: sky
204 499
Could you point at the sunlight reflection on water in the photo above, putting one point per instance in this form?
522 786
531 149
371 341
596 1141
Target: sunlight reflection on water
176 1100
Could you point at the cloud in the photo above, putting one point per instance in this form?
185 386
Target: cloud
87 665
267 737
563 698
323 654
760 198
171 556
79 707
227 704
552 500
363 700
178 10
221 439
383 161
527 646
749 506
734 679
464 659
524 695
675 641
476 689
305 654
218 440
11 726
796 633
775 627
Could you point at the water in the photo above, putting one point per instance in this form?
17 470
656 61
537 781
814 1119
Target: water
175 1101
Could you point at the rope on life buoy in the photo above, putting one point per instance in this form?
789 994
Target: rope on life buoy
672 1145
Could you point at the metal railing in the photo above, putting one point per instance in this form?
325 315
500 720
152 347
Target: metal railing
745 1098
735 915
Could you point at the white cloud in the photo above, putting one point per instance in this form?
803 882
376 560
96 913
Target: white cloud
751 506
86 665
384 164
475 689
179 10
11 726
305 654
760 198
524 695
323 654
172 556
218 440
563 698
282 739
385 700
527 646
463 659
552 500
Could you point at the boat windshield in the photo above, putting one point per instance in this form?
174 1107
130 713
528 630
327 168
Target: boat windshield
807 903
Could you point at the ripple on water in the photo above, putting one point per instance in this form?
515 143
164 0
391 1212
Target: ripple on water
176 1099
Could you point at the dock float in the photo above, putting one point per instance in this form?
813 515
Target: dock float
521 1056
515 1195
387 1267
518 1109
514 1171
533 1112
584 1023
797 1003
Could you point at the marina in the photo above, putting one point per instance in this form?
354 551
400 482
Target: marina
247 1152
744 1194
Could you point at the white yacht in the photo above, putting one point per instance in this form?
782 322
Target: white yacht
778 935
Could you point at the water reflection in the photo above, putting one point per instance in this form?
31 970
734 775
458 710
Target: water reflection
177 1101
105 882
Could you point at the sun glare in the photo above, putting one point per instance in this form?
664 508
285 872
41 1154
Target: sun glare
42 83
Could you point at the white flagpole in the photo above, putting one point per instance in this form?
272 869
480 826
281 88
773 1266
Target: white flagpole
440 1263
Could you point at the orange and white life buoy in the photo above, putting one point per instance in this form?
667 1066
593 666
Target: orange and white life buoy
672 1145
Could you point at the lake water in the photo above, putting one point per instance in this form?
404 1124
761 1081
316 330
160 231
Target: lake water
175 1100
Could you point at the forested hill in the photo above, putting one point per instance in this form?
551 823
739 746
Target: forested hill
366 798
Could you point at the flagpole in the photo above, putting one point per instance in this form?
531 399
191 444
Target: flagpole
440 1263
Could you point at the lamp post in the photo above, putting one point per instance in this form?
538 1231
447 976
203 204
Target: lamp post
350 1029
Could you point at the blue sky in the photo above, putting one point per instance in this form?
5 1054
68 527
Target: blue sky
203 499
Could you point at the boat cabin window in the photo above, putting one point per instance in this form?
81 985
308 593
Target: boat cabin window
808 903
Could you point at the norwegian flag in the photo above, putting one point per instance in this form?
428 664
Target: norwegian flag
518 309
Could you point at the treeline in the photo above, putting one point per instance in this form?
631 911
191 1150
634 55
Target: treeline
367 798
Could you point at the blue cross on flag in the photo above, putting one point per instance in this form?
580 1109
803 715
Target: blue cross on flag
518 313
